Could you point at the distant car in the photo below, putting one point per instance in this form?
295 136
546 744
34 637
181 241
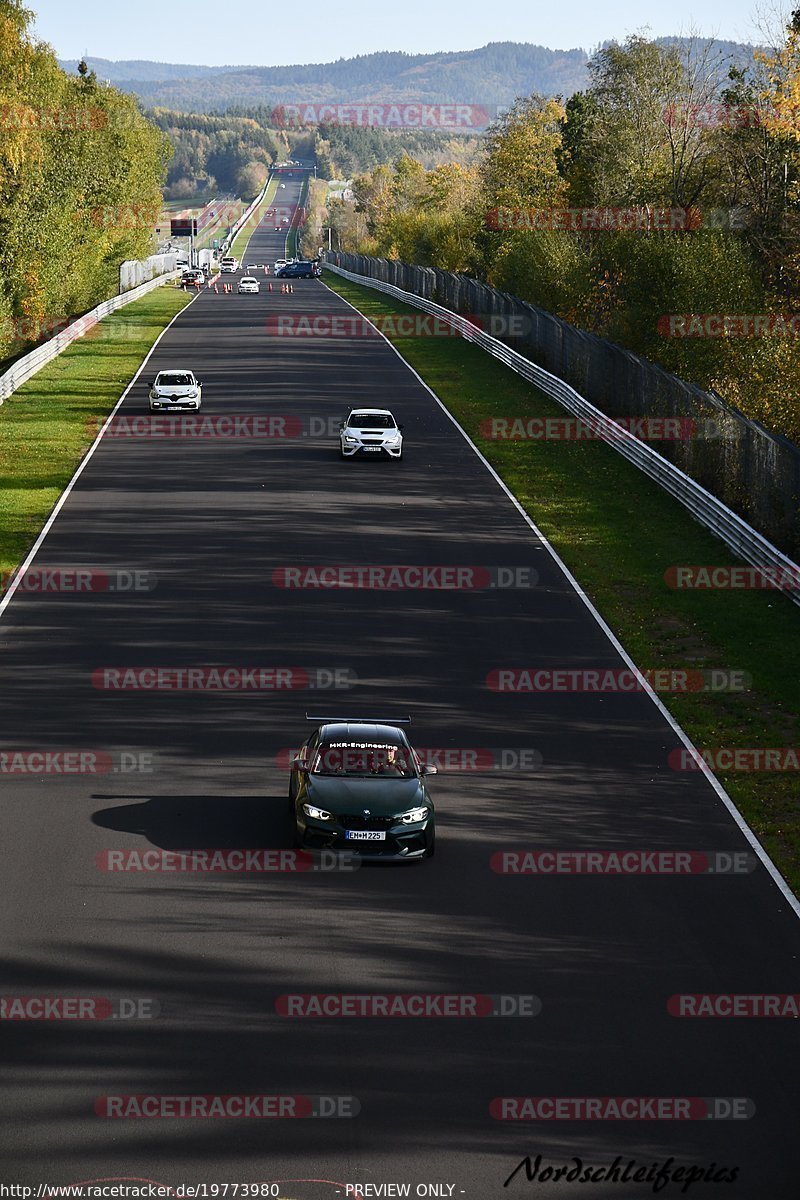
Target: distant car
370 431
253 266
175 390
283 185
248 284
360 786
193 275
280 262
229 266
300 270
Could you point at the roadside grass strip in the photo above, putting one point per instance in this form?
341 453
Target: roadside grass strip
619 534
239 244
50 422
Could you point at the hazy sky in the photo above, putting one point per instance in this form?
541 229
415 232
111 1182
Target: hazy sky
272 33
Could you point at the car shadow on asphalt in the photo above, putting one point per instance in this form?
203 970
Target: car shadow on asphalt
202 822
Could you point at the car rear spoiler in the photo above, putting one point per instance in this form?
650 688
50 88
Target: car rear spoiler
359 720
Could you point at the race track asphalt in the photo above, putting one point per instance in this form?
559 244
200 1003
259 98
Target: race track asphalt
211 520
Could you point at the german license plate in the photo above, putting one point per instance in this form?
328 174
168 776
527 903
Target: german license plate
365 835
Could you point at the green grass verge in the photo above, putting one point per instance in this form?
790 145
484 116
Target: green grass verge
47 426
618 532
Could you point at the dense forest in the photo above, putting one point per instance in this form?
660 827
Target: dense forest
651 196
80 184
216 154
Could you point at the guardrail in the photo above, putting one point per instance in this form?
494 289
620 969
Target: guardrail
709 511
27 366
248 212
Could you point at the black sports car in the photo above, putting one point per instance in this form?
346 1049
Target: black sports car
360 786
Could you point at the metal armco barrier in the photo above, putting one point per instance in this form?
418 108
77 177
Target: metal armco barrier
27 366
709 511
248 212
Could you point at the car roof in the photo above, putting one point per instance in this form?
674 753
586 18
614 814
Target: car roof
360 731
176 371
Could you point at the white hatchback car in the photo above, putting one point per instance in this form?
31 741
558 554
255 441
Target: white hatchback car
280 262
248 284
370 431
173 391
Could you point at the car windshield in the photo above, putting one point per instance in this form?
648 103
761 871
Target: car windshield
364 420
174 379
363 759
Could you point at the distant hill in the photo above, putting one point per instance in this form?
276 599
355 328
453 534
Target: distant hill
492 75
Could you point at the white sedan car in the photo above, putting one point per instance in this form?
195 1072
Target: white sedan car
280 262
249 284
370 431
173 391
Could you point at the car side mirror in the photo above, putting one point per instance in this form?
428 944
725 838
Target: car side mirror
299 764
429 769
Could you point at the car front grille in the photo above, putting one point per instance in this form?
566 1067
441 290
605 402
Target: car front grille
359 821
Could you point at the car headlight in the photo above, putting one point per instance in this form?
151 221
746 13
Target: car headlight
318 814
393 437
348 437
413 815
